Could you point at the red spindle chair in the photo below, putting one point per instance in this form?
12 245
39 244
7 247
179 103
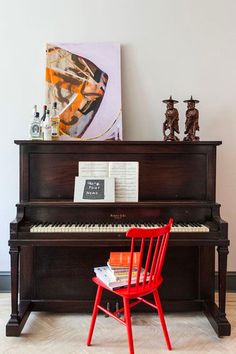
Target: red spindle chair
155 242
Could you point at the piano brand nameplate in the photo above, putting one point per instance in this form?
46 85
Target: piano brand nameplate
94 189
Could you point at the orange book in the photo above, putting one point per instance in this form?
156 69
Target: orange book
119 259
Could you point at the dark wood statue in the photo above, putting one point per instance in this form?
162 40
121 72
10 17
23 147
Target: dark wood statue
192 120
172 120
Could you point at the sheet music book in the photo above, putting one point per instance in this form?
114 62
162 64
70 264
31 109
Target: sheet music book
125 173
94 169
94 189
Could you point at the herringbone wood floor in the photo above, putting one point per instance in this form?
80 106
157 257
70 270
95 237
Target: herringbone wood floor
66 333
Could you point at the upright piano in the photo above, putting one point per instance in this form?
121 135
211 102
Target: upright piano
55 243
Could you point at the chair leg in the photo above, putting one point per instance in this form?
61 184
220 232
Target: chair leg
94 315
128 325
162 319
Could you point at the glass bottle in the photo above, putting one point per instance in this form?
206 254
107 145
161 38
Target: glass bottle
44 113
36 126
55 122
34 111
47 128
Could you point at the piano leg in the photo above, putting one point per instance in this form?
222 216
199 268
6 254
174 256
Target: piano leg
222 272
19 314
216 314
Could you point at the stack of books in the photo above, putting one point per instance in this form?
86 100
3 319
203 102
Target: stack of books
115 273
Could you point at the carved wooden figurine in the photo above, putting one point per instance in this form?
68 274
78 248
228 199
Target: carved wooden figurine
172 120
192 118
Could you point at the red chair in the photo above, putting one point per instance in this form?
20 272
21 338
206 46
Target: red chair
155 242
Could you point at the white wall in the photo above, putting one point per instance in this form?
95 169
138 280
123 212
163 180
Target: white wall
173 47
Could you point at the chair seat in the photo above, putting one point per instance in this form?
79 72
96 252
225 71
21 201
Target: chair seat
134 292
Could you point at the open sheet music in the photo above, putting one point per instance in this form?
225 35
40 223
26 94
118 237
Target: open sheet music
125 174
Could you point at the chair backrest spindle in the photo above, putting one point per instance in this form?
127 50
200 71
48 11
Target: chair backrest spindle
149 267
140 262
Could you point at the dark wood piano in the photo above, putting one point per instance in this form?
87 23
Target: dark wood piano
52 267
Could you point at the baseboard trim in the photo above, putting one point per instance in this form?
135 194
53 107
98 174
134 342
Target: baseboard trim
230 281
5 282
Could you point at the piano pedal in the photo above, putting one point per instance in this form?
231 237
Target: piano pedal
108 309
117 308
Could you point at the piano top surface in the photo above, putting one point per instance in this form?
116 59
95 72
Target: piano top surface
108 142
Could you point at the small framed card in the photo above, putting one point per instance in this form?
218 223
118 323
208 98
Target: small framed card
94 189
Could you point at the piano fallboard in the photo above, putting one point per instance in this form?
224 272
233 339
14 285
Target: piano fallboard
119 213
145 214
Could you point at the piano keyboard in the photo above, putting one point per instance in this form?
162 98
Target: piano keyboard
59 227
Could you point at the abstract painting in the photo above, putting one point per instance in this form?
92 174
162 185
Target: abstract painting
85 81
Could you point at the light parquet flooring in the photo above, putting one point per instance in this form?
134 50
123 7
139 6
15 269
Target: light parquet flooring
66 333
